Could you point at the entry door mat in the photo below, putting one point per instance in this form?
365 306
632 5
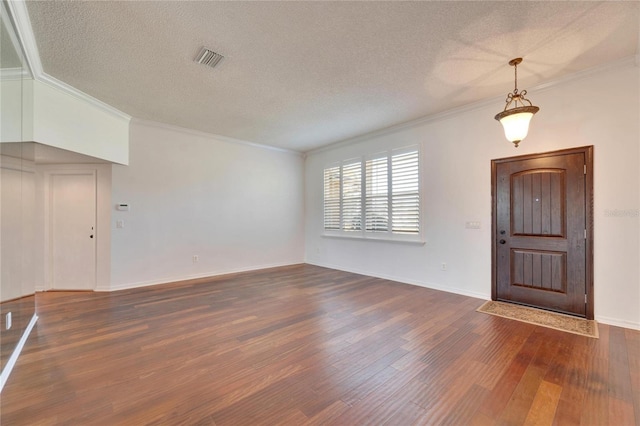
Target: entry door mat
583 327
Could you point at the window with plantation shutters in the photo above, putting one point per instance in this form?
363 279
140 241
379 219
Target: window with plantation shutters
377 196
352 197
332 198
405 197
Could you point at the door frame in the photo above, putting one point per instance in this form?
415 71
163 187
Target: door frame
587 151
48 218
103 218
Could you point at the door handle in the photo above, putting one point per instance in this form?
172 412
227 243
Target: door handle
502 241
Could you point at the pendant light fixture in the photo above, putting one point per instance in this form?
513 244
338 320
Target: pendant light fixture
516 120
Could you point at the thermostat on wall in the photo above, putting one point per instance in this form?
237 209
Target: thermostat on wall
122 207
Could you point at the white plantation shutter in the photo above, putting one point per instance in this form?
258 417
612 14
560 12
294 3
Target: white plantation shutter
405 199
352 196
377 195
376 198
332 198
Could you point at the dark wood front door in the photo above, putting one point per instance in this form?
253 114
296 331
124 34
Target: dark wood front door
542 230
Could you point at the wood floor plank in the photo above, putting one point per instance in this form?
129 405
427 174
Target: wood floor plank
308 345
569 370
633 348
523 398
621 412
329 414
543 407
466 409
596 403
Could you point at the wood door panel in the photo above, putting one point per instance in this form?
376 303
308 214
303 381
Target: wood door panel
538 203
540 217
540 270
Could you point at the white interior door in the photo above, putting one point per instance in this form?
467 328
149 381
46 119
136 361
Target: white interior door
73 230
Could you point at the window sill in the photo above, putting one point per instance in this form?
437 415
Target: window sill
377 239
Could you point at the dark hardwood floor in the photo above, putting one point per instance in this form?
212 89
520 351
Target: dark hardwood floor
307 345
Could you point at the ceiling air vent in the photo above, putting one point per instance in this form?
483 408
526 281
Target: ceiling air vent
209 57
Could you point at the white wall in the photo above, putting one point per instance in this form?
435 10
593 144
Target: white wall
16 109
236 206
600 109
18 239
78 124
11 110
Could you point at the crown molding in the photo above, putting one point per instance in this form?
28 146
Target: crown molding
497 100
20 14
18 10
70 90
205 135
7 74
8 23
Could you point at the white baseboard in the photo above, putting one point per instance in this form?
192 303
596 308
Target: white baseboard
405 280
618 323
604 320
434 286
125 286
4 376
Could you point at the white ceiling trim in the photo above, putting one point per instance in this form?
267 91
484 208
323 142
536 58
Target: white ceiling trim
13 74
61 85
220 138
498 101
23 22
18 11
20 15
25 34
6 21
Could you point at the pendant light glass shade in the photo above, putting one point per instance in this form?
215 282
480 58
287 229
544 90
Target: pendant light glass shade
515 121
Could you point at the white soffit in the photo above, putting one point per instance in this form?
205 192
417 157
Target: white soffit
301 75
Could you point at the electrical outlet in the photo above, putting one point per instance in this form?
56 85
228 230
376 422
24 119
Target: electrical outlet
195 258
120 223
443 266
8 323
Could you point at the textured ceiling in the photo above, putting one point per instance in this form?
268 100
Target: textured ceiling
301 75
